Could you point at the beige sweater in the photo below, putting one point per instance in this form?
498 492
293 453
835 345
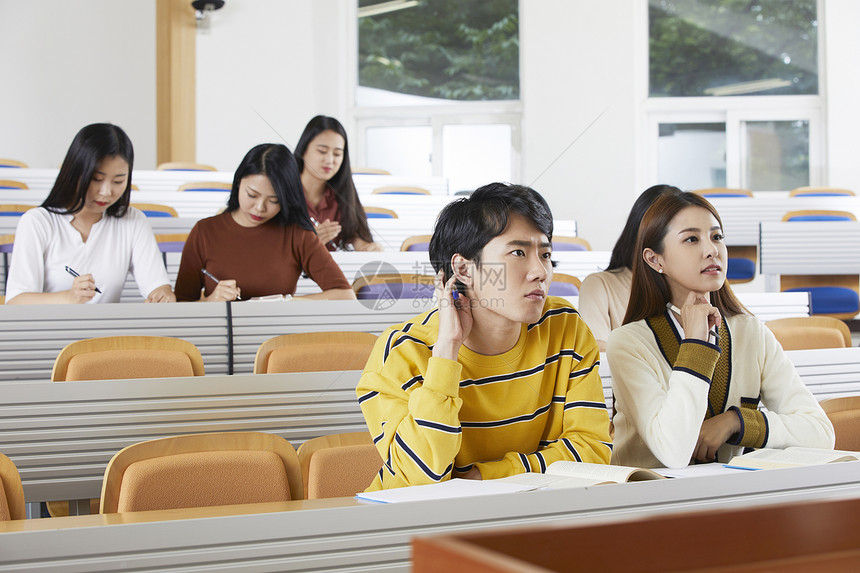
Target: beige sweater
603 300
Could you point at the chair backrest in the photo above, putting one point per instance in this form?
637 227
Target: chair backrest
815 321
400 190
416 243
206 186
820 192
184 166
369 171
808 332
844 414
10 184
12 163
11 491
562 243
171 242
564 285
155 210
7 242
393 286
723 192
201 470
338 465
379 213
314 352
818 215
124 357
10 210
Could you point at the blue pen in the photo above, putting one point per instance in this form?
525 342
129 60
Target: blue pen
210 275
74 273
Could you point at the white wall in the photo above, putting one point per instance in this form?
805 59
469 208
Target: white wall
263 72
577 62
68 64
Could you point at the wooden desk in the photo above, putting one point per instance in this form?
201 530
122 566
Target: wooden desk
377 537
812 536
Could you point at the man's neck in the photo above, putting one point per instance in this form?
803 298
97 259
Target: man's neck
492 334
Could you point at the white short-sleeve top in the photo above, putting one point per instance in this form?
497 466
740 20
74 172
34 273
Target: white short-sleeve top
46 243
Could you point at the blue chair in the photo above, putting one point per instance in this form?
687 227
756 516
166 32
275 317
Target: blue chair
154 210
831 295
400 190
723 192
9 184
379 213
820 192
564 285
207 186
560 243
390 287
12 163
14 210
416 243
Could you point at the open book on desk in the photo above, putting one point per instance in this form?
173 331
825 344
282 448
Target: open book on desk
564 474
791 457
561 474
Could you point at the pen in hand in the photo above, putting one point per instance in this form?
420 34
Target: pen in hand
75 274
217 281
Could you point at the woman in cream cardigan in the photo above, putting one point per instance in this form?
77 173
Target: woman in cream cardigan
691 366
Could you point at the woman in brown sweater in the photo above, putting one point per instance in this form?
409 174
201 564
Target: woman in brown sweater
262 242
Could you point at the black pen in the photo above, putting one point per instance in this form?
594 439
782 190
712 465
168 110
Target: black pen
74 273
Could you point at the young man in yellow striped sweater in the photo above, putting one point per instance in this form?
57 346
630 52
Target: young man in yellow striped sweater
500 379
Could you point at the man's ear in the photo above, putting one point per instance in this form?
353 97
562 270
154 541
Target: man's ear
462 269
653 259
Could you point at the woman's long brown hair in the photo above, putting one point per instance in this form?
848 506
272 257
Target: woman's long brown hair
650 291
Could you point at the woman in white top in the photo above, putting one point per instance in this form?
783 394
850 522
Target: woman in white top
603 296
81 243
690 365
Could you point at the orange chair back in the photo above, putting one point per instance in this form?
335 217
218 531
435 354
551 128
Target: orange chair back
338 465
11 491
844 414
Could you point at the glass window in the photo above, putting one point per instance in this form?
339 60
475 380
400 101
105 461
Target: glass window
777 155
401 150
692 155
473 155
413 51
733 47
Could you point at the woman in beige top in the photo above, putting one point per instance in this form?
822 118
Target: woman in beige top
603 296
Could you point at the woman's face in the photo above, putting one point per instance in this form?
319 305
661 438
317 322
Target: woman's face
324 155
694 254
258 202
108 183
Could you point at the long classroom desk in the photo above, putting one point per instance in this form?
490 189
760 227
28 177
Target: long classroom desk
343 535
31 336
62 434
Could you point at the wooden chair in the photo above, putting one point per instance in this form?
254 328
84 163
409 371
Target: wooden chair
723 192
416 243
124 357
11 210
820 192
7 244
206 186
10 184
561 243
564 285
818 215
155 210
184 166
393 286
12 163
400 190
314 352
338 465
11 491
171 242
369 171
806 332
379 213
844 414
201 470
742 263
